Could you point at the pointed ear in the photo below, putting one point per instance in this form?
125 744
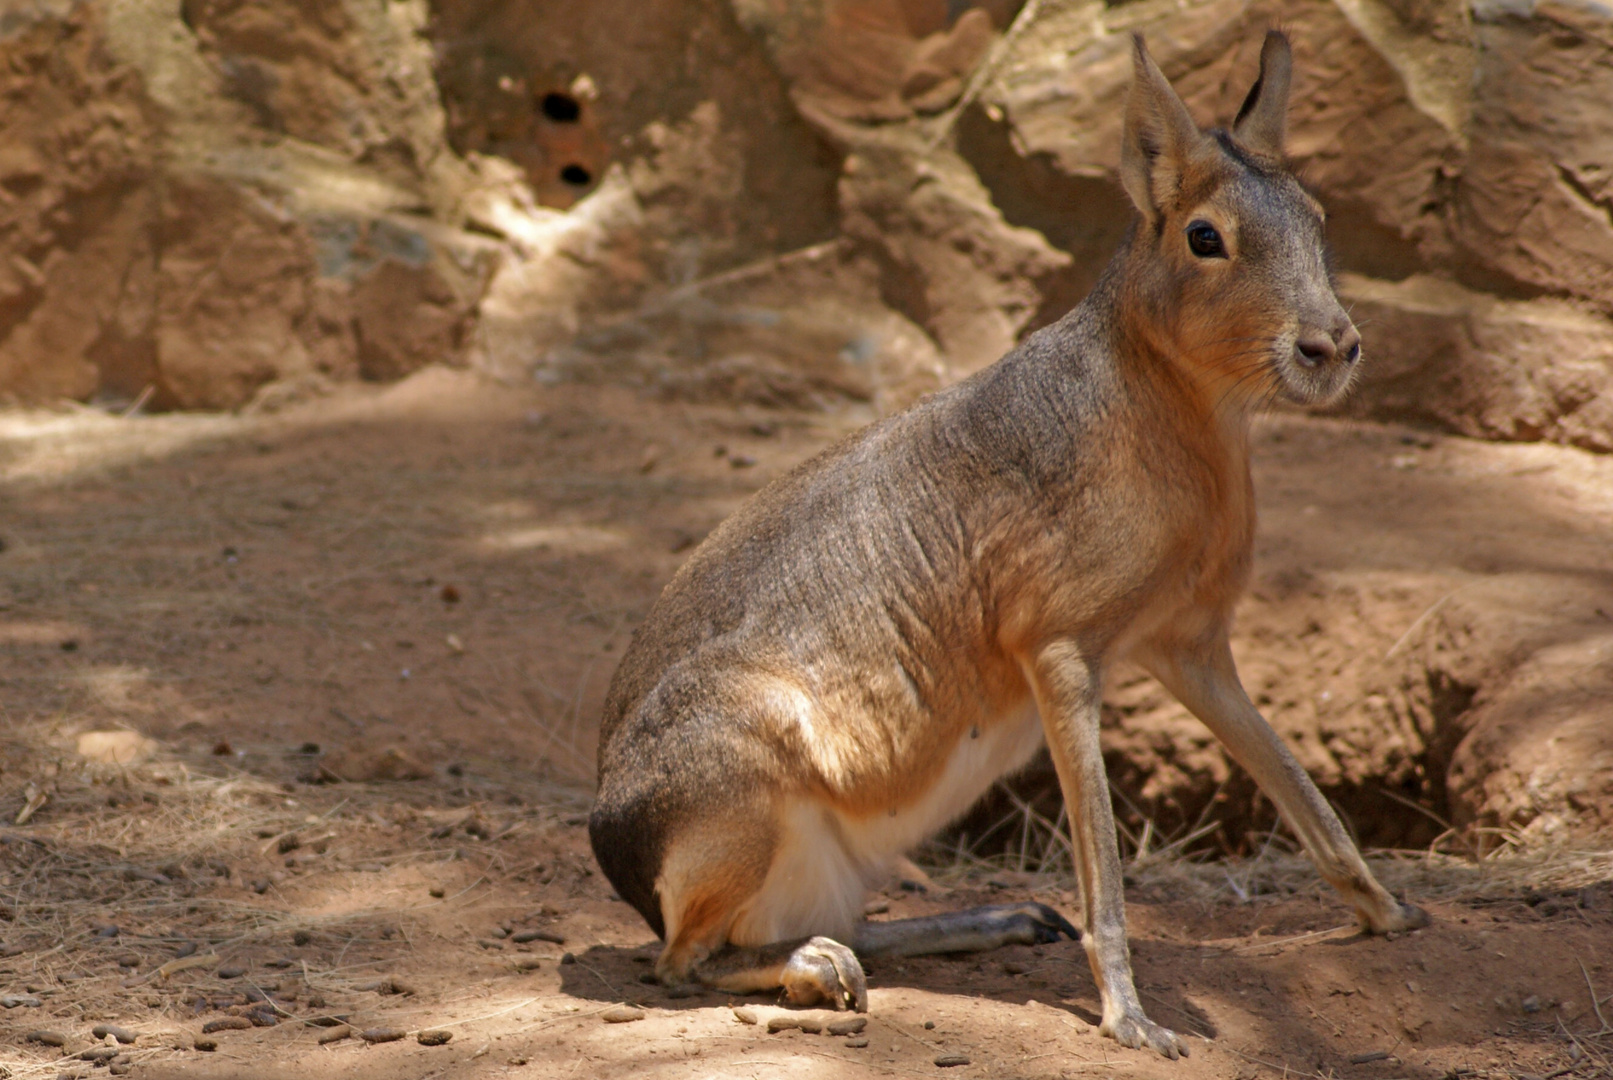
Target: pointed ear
1159 136
1262 121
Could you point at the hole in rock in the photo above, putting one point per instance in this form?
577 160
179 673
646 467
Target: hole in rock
561 108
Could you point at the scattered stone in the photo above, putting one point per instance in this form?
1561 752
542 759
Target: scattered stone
745 1014
107 932
46 1038
186 948
99 1054
231 972
437 892
434 1038
621 1014
226 1023
123 1035
950 1061
538 935
115 747
206 1045
527 963
1531 1004
1367 1058
301 937
335 1034
327 1021
389 986
361 764
807 1023
929 1025
850 1025
12 1001
567 958
857 1043
382 1035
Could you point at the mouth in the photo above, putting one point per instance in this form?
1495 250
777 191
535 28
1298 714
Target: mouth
1306 378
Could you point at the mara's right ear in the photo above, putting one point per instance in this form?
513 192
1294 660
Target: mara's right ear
1159 136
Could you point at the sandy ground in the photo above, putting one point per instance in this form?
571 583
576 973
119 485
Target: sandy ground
436 578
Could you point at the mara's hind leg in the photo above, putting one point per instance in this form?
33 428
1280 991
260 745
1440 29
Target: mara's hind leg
757 902
974 930
817 971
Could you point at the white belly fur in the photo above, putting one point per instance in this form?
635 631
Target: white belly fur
828 860
975 764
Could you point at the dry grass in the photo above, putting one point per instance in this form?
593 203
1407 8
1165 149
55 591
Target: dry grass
1173 867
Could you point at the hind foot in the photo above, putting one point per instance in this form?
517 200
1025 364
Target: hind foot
823 971
1033 924
1137 1031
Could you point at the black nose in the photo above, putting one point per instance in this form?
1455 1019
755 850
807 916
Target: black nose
1349 345
1314 349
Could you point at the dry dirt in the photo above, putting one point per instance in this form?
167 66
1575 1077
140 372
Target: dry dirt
437 577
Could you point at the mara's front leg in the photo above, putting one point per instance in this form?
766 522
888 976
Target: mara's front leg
1068 692
1204 678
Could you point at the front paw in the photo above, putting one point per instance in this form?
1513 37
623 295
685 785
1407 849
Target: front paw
1137 1031
823 971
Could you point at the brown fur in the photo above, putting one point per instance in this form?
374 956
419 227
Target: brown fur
852 657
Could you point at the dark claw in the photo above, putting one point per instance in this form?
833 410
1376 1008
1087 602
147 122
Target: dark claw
1050 924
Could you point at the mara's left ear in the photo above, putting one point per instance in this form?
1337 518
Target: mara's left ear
1262 121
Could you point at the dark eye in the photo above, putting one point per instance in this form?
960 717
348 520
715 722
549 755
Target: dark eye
1205 241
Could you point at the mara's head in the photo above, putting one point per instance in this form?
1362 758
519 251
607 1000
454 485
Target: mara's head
1227 267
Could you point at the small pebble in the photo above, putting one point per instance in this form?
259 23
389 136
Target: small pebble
621 1014
437 892
809 1024
949 1061
527 963
99 1054
1531 1004
857 1043
123 1035
226 1023
206 1045
745 1014
382 1035
538 935
1014 968
231 972
850 1025
1367 1058
929 1025
335 1034
46 1038
567 958
434 1038
301 937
